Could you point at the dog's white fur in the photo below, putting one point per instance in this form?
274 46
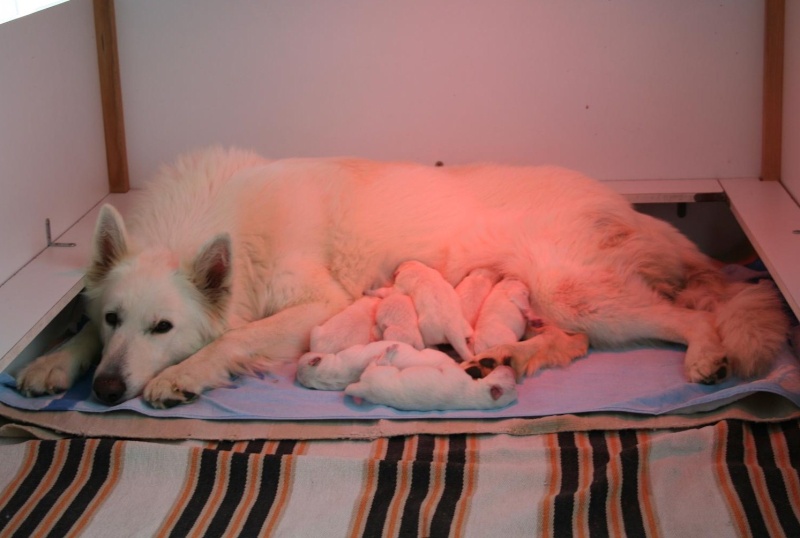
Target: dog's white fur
503 317
354 325
438 307
429 388
397 320
473 290
334 371
244 256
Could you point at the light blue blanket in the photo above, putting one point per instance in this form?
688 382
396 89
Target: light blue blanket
643 380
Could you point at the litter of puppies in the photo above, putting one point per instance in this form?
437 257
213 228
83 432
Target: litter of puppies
378 349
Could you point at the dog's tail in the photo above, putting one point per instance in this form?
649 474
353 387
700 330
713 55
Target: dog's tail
750 318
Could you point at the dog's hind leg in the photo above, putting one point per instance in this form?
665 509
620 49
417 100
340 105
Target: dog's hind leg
614 312
550 347
252 348
58 370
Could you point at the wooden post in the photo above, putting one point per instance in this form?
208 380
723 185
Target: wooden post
111 95
772 114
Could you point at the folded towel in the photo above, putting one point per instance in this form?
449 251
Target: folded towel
645 380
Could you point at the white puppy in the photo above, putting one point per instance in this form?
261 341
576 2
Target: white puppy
504 315
473 290
352 326
334 371
436 302
397 320
426 388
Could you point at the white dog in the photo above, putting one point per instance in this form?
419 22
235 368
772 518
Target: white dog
397 320
473 290
503 317
437 304
334 371
230 260
431 388
352 326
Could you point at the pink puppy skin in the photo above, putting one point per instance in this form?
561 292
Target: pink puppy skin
503 317
438 308
397 320
473 290
426 388
334 371
352 326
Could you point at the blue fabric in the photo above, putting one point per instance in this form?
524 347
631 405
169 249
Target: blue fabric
643 380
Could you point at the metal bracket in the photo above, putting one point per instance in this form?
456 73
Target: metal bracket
50 238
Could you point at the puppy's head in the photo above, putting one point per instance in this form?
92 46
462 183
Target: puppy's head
152 308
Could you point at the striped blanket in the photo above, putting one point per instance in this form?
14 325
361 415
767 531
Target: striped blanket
731 478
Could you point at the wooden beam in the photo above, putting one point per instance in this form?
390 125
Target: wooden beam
772 119
111 95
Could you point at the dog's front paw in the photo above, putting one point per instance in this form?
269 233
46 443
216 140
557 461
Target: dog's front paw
708 367
49 374
169 389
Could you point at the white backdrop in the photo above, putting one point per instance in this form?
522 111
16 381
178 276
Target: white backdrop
791 105
52 152
617 89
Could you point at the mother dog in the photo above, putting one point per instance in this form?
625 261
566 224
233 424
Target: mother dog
229 260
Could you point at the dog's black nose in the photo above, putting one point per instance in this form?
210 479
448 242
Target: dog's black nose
109 389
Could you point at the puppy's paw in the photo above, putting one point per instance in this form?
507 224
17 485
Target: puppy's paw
708 367
49 374
169 389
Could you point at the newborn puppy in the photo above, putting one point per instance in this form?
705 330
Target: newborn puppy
436 302
425 388
334 371
473 290
504 315
397 320
352 326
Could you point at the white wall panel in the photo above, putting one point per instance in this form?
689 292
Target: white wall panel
52 153
618 89
791 103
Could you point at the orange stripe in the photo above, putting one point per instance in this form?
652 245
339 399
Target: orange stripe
192 475
790 476
30 458
645 486
114 472
404 468
613 508
368 486
554 481
44 486
285 488
580 514
470 481
221 478
81 475
759 484
440 448
255 468
724 480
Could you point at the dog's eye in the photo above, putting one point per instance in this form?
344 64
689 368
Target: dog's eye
112 319
162 327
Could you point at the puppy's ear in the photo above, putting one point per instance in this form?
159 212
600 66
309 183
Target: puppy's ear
110 244
211 270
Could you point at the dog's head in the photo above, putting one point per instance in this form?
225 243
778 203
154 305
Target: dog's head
152 308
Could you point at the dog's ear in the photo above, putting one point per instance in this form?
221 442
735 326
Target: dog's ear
110 244
211 270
